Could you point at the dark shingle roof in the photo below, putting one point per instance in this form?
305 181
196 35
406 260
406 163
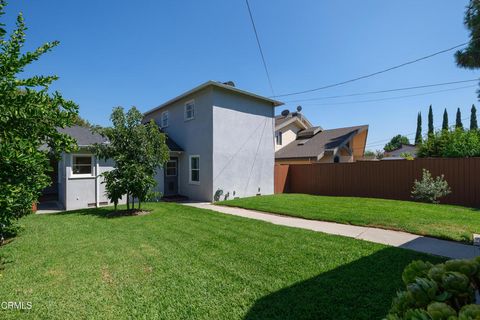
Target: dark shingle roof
172 145
322 141
404 148
83 135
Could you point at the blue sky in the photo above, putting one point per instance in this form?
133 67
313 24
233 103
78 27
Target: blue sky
144 52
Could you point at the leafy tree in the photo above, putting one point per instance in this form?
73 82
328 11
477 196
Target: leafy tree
458 120
473 118
29 118
445 120
138 151
430 120
451 144
369 154
396 142
379 154
79 121
469 57
418 134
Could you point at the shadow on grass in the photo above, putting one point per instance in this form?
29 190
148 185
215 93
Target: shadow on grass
362 289
107 212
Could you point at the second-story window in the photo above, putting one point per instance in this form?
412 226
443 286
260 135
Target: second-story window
278 138
164 119
190 110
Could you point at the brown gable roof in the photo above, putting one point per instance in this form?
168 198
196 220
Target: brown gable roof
327 140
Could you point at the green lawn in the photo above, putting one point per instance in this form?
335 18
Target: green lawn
441 221
186 263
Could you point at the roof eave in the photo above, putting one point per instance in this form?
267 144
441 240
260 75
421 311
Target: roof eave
204 85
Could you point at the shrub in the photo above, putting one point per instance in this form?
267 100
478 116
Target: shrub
430 189
451 144
444 291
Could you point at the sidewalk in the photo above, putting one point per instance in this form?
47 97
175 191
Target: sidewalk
399 239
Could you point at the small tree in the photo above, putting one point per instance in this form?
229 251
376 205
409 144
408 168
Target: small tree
138 151
29 118
396 142
379 154
430 189
458 120
473 118
445 120
418 134
430 120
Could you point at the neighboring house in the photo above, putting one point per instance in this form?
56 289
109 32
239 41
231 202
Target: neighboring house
76 180
221 143
298 141
410 149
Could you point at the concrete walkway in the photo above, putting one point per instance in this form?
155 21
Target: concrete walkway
399 239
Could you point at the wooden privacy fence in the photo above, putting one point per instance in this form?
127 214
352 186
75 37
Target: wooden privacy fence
388 179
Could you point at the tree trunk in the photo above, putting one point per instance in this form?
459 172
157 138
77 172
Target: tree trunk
128 201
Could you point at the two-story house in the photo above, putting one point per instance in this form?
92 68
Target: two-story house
221 146
297 141
221 143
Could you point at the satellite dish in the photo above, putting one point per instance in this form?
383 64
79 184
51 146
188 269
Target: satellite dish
299 108
285 113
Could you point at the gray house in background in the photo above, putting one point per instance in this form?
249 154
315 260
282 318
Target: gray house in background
221 143
76 180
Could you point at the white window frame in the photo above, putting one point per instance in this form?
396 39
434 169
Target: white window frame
165 115
190 169
82 175
192 103
176 168
279 138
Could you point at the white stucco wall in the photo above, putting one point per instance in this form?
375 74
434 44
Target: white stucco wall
243 145
195 138
82 191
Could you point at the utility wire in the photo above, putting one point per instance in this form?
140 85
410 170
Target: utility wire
260 48
382 91
392 98
381 142
375 73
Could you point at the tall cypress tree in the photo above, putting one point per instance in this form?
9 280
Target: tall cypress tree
418 134
445 120
430 120
473 118
458 121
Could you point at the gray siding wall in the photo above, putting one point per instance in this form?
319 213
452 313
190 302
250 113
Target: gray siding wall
195 138
243 145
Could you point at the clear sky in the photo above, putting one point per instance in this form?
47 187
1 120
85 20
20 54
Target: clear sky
144 52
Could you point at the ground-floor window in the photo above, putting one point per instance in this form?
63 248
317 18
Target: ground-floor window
195 169
82 164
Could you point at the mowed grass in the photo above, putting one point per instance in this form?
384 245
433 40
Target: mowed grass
185 263
436 220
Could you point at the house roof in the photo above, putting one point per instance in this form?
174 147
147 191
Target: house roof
404 148
84 136
293 117
316 145
219 85
172 145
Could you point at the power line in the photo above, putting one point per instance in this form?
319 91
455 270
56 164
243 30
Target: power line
260 48
375 73
381 142
393 98
382 91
